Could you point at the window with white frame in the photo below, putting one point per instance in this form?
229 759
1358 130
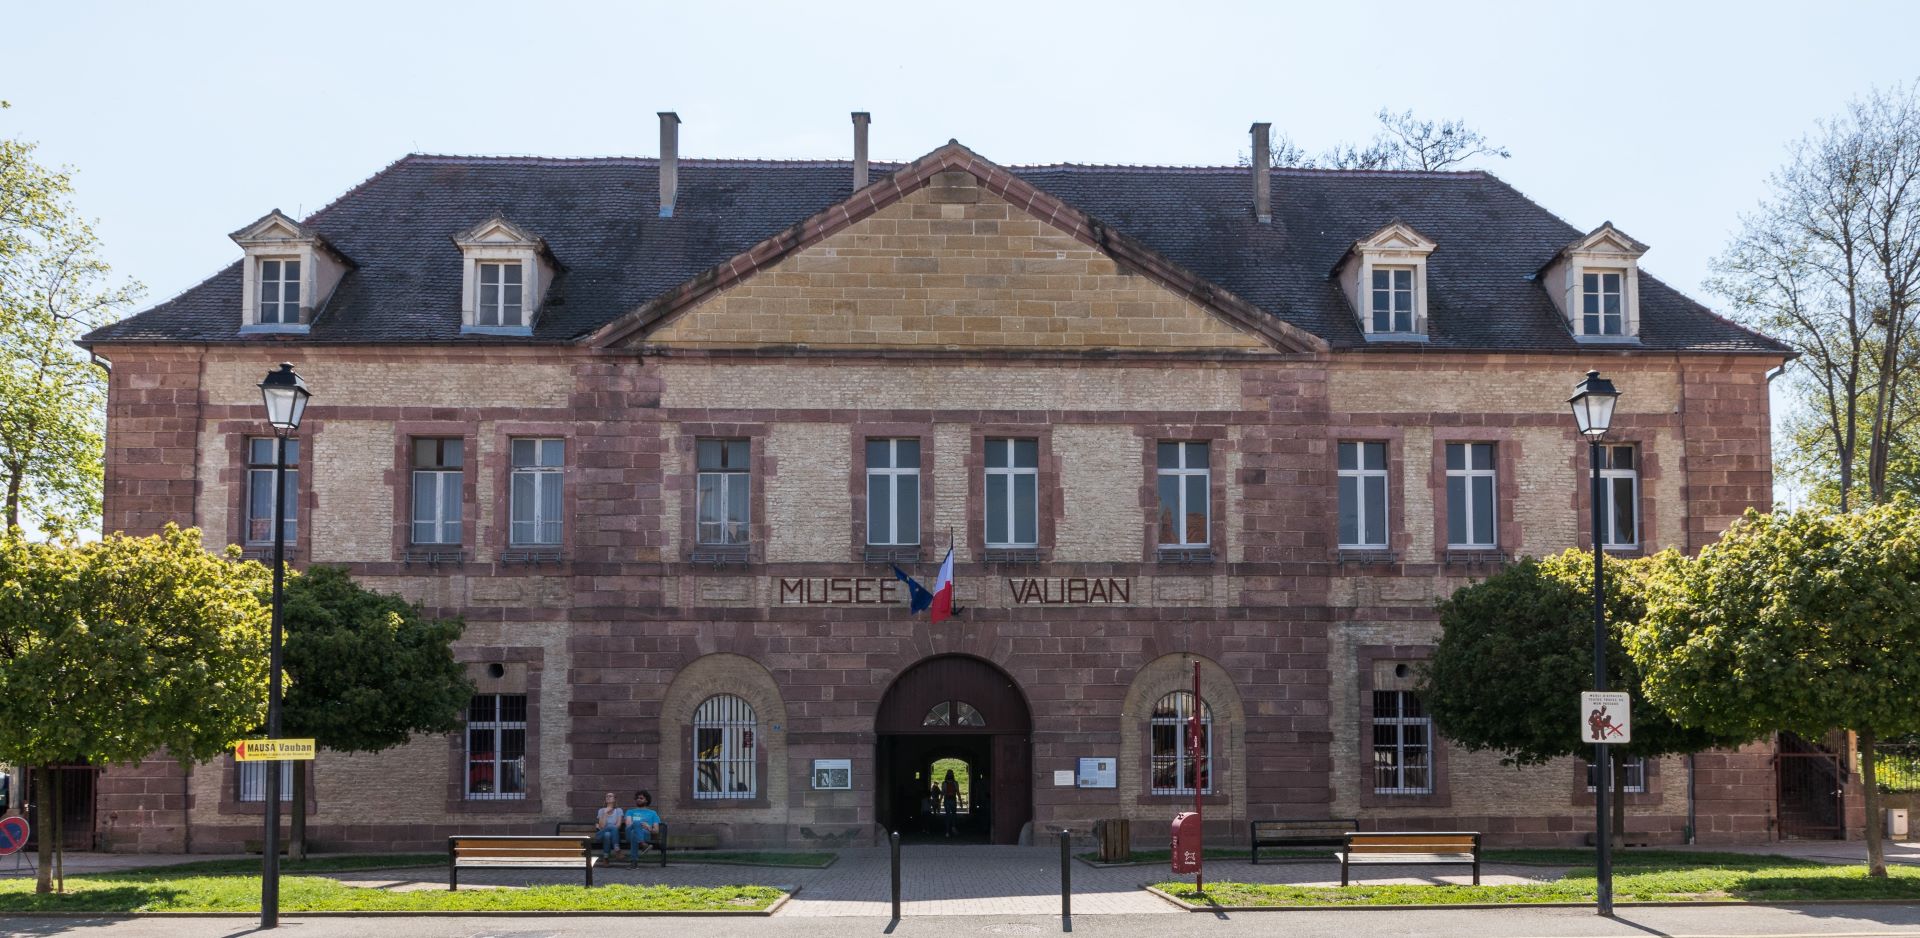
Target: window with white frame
250 781
1185 494
1172 764
499 302
496 747
437 489
893 492
279 302
1633 772
260 507
1603 308
1013 493
1471 508
1402 744
1363 494
1392 299
1620 497
723 754
539 466
725 475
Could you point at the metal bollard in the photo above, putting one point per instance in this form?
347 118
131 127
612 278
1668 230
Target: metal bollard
1066 880
894 840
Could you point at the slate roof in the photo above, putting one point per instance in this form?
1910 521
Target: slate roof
600 217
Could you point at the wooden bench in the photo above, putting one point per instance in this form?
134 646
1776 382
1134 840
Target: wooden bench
587 829
506 852
1301 832
1412 848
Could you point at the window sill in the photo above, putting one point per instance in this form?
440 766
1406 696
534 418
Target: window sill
1476 555
1198 556
496 330
433 556
276 328
532 556
1391 337
1366 555
720 556
1013 555
1630 340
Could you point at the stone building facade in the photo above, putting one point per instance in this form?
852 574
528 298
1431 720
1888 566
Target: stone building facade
1163 418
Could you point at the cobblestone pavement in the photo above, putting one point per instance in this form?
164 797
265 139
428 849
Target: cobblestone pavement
958 880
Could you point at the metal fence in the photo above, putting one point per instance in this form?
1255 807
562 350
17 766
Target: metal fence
1898 768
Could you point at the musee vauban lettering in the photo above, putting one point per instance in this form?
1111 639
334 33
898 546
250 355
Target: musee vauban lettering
1070 590
1032 590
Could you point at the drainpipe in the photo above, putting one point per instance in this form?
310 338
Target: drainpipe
1693 823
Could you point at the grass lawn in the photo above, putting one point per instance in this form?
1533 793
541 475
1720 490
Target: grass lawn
1644 876
161 891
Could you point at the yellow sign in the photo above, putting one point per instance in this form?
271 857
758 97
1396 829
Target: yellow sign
273 750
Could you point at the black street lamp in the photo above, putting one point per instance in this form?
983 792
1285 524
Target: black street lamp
286 399
1592 403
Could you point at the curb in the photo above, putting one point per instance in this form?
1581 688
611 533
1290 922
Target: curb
778 904
1434 907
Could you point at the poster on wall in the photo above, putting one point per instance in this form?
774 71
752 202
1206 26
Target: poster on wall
1097 772
833 774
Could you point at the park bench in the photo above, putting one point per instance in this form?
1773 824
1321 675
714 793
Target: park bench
1300 832
509 852
586 829
1412 848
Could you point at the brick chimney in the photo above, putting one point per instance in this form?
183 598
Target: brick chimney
860 121
669 162
1262 178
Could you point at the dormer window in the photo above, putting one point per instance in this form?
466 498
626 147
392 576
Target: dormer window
279 292
506 273
289 274
500 296
1384 276
1595 283
1392 299
1603 309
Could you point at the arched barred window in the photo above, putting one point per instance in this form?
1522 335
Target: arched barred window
723 754
1174 770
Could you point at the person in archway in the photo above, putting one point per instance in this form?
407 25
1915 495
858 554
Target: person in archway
950 799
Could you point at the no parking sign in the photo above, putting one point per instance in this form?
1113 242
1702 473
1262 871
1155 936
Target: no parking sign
13 834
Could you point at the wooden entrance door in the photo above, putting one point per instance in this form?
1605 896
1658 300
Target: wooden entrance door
1012 788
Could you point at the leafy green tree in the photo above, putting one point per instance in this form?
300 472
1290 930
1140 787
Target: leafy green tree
53 289
1515 651
114 650
1800 621
365 672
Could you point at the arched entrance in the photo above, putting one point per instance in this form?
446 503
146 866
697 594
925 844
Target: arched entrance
954 707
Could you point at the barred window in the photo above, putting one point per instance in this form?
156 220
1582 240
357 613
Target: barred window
1175 772
1633 770
497 747
260 511
1402 744
723 753
250 780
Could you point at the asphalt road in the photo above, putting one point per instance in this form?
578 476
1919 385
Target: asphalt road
1833 921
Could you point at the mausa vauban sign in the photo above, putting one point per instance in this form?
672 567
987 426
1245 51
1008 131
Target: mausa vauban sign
273 750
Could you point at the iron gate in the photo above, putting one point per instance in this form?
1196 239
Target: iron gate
1811 784
75 786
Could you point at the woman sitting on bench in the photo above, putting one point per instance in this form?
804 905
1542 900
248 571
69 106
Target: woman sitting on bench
606 826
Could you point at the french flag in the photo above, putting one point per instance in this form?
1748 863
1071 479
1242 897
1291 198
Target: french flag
943 590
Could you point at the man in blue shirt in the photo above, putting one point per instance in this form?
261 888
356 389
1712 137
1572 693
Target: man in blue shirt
643 824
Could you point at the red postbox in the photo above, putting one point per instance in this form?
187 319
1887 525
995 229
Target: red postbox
1186 842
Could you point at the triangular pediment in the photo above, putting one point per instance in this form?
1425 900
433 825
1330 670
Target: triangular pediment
953 252
1397 236
1607 239
273 226
497 231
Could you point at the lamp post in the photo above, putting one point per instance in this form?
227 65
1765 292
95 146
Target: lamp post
1592 404
286 399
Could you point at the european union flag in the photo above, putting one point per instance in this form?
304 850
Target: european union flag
921 599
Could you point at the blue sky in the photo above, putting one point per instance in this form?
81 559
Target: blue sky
185 122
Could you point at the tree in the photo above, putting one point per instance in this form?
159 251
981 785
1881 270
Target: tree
1830 264
53 289
113 650
1804 621
1516 649
1403 142
366 671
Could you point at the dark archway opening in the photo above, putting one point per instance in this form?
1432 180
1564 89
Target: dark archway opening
959 708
